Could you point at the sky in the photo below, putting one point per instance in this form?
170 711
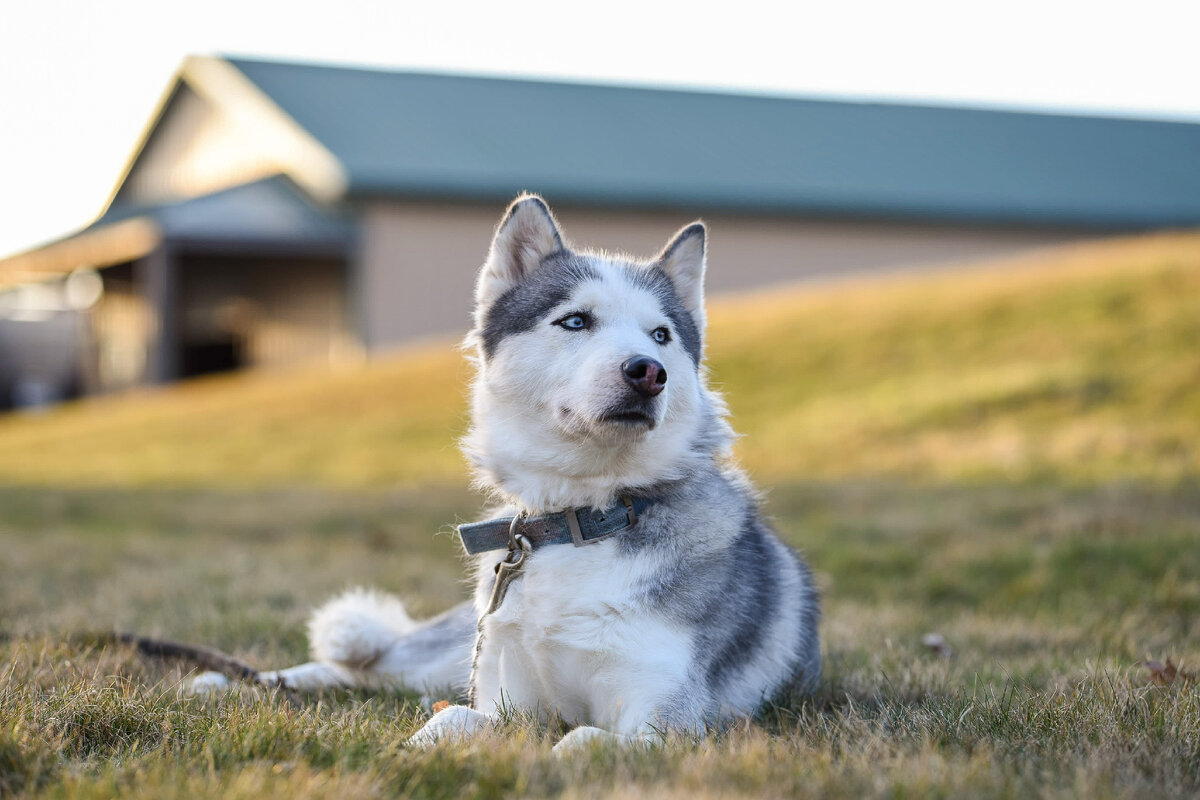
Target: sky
79 80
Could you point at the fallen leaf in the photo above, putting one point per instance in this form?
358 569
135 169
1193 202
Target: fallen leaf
1168 673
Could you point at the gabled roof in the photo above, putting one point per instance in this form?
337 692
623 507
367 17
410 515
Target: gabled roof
267 211
415 134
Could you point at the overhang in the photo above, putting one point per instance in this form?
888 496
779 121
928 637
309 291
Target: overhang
268 215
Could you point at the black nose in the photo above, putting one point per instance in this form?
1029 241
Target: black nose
645 375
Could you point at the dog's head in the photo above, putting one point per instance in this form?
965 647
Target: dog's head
590 377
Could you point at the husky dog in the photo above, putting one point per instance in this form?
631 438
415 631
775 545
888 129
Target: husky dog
629 585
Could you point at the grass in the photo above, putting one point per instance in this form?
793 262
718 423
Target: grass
1080 363
1007 458
1049 599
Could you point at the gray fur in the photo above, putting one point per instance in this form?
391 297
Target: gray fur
525 305
453 629
727 588
737 613
655 281
808 665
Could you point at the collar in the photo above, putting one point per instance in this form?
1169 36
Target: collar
578 526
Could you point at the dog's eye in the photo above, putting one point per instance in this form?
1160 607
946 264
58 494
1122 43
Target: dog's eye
575 322
661 335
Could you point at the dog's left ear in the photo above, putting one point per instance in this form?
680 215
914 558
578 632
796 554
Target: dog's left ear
683 259
526 235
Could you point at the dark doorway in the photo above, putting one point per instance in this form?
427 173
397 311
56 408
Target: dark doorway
201 357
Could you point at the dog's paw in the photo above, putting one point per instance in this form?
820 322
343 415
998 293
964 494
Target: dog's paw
456 723
208 683
582 738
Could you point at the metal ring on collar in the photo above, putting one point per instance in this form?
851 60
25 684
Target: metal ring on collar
518 541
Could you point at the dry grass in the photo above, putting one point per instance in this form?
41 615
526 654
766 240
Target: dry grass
1080 362
1007 458
1048 597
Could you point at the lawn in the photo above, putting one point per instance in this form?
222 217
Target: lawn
1007 457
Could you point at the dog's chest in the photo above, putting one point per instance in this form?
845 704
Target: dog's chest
578 620
570 597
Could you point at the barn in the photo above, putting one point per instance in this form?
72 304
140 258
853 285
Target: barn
275 213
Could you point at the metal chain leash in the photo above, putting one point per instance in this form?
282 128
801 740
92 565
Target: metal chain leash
507 570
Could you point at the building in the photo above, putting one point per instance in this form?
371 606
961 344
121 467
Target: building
277 212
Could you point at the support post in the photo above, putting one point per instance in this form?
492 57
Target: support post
157 277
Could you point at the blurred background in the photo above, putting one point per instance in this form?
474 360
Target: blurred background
328 195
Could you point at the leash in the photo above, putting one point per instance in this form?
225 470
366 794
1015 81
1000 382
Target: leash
507 570
579 527
200 655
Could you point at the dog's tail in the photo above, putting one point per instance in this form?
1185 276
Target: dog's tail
368 638
358 627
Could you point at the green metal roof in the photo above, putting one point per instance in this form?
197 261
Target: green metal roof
267 210
415 134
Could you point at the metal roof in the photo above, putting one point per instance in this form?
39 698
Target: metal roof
416 134
268 210
270 213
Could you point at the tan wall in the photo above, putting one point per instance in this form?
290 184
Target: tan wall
418 260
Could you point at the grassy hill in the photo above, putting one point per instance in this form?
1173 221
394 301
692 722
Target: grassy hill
1081 363
1007 457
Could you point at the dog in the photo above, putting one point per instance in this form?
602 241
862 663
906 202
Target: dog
626 581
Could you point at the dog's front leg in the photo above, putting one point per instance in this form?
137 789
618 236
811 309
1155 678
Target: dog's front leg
581 738
501 686
455 723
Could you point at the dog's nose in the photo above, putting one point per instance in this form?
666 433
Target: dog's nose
645 375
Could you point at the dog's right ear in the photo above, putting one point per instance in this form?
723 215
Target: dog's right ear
526 235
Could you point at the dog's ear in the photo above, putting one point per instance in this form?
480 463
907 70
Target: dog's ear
683 260
525 236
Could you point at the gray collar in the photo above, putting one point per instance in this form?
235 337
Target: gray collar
578 526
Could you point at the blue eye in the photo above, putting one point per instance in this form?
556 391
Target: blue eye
575 322
661 335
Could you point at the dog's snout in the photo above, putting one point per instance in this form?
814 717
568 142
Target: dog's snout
645 375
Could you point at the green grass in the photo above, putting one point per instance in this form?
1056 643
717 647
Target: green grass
1009 458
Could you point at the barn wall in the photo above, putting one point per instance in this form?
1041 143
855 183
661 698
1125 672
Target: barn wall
418 260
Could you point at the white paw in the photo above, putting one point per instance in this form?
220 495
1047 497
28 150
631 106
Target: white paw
208 683
456 723
311 677
582 738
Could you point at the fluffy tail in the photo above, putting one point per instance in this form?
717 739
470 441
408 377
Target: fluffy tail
371 634
357 628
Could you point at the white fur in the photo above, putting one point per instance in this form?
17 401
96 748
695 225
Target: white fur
567 380
357 628
454 723
597 659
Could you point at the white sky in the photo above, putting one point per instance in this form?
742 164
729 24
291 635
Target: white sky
78 80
